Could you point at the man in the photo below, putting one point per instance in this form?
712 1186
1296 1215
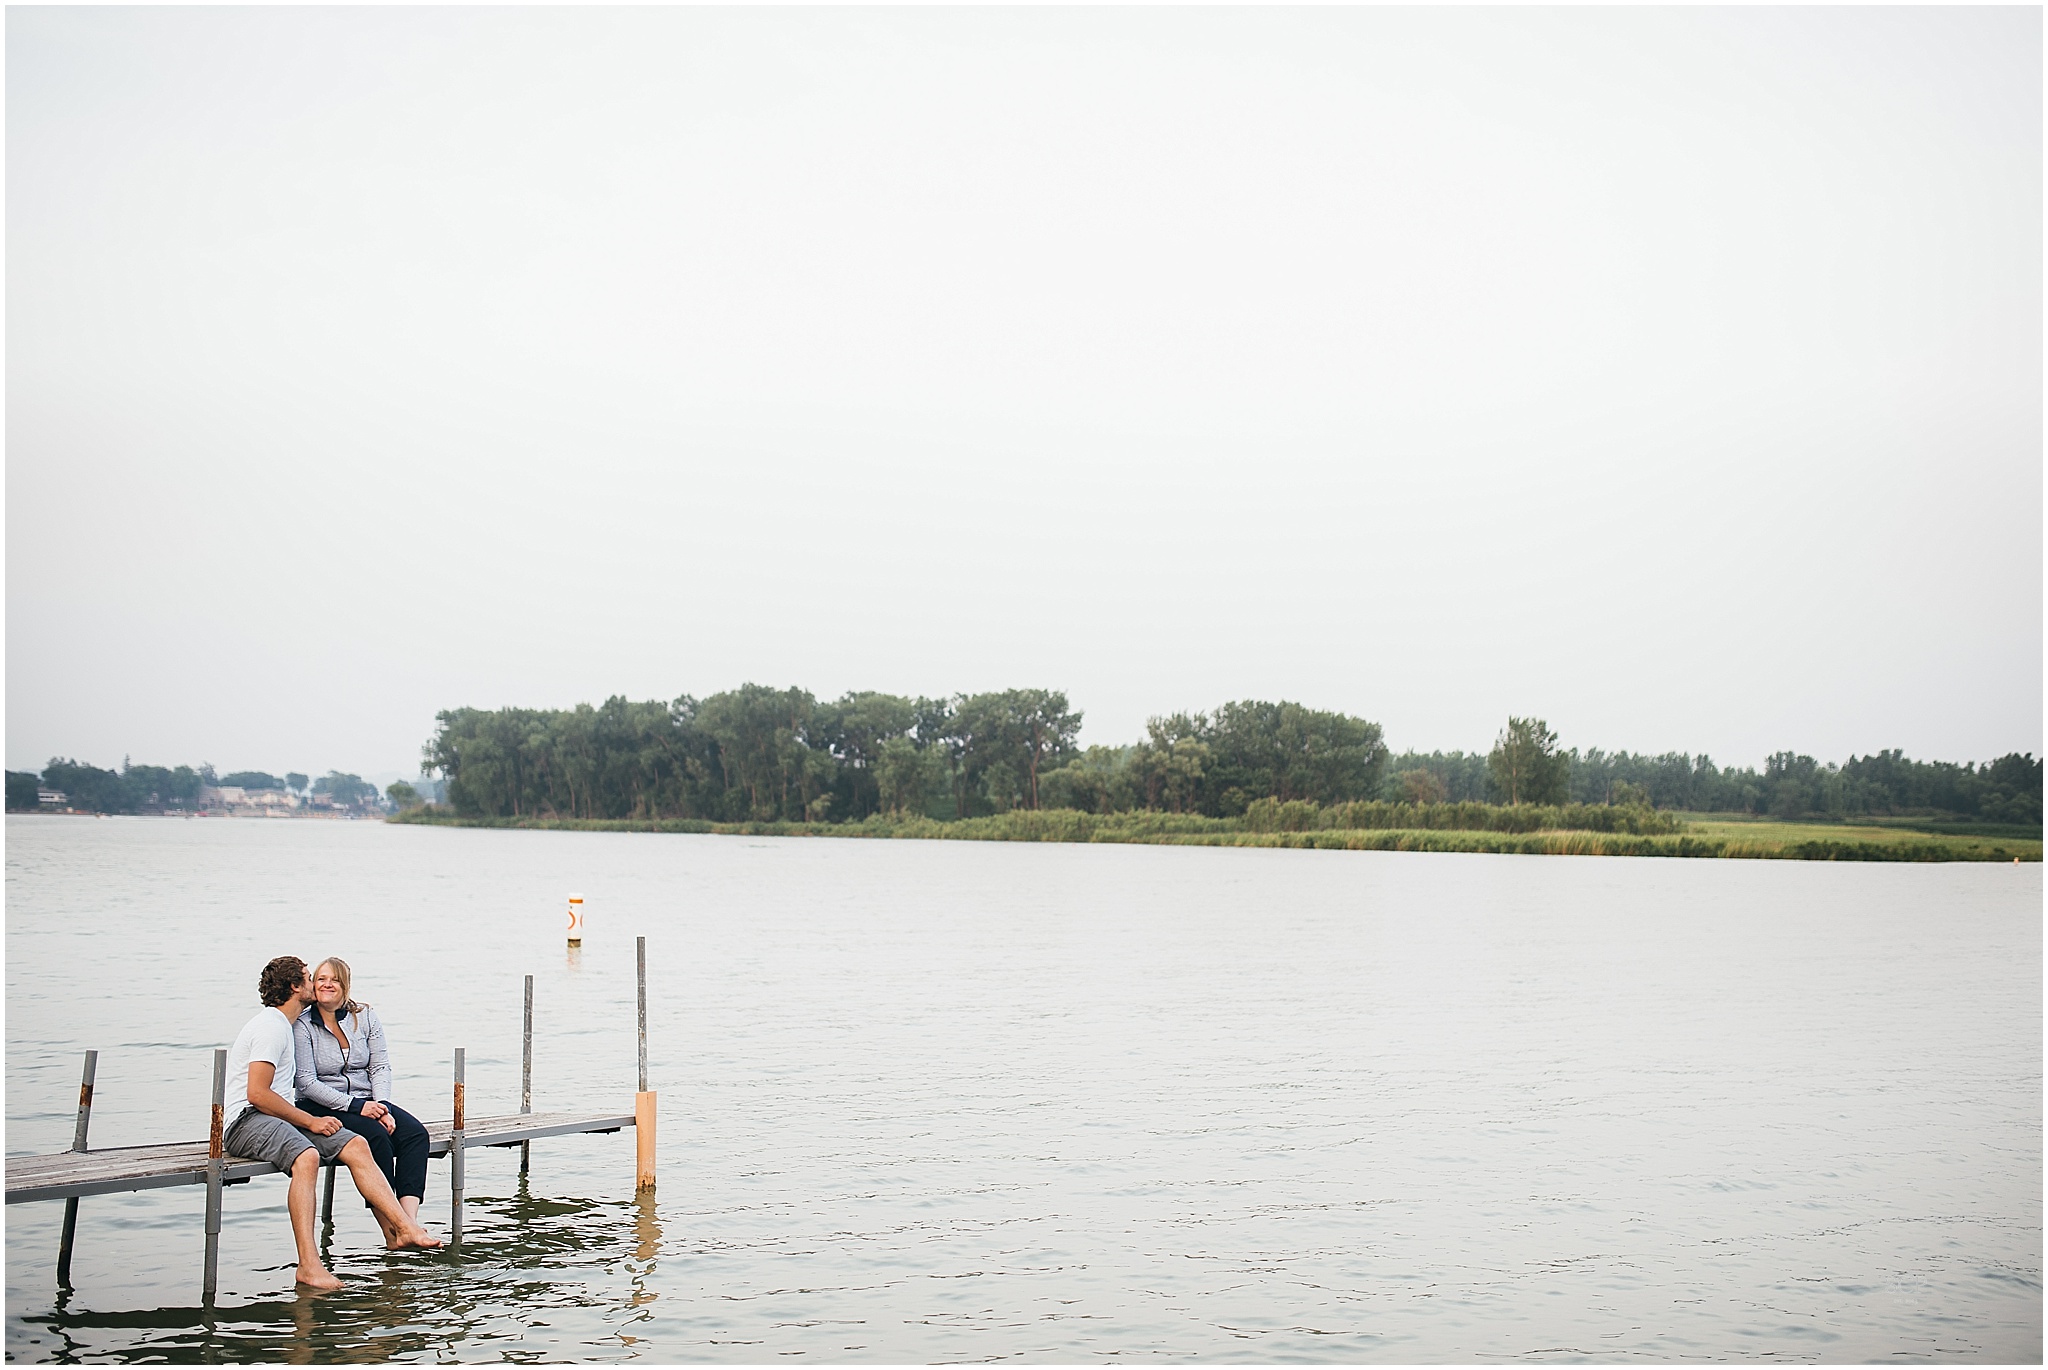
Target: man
263 1125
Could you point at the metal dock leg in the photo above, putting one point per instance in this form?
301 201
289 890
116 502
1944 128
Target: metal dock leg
455 1158
526 1077
92 1062
643 1102
215 1150
327 1197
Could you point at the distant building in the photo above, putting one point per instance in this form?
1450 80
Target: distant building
327 805
239 802
50 799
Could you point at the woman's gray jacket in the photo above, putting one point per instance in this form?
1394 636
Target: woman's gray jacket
340 1080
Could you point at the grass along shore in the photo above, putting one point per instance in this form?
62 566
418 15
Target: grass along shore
1375 827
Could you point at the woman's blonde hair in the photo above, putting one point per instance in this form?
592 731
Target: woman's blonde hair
340 969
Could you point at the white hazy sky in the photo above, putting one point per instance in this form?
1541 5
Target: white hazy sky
1674 375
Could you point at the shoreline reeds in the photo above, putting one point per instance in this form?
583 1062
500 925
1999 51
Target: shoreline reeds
1362 828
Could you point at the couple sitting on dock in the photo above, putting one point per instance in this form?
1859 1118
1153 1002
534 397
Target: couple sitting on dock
312 1040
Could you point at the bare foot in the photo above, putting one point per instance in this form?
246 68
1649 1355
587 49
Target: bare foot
413 1239
318 1277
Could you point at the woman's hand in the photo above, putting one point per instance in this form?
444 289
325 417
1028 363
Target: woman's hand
373 1109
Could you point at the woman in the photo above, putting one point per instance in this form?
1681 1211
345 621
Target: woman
345 1073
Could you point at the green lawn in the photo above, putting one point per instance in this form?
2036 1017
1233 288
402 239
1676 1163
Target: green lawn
1743 831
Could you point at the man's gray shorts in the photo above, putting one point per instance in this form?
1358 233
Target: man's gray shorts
261 1137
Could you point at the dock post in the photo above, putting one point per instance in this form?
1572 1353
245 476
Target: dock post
216 1149
92 1062
327 1194
526 1076
455 1157
643 1102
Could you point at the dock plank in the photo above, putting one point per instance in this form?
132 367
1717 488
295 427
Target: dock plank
74 1174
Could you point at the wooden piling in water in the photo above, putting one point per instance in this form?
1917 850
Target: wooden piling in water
643 1102
455 1148
216 1152
92 1062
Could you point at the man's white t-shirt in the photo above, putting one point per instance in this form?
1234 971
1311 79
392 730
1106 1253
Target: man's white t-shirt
266 1037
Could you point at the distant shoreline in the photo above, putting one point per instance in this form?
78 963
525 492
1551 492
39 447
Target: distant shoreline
1703 838
212 815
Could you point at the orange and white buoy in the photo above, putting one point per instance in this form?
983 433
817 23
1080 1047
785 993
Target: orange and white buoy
575 920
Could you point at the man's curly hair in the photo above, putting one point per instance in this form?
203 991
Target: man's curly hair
279 979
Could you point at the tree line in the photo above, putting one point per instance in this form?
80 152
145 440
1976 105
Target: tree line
759 753
158 789
764 754
1790 785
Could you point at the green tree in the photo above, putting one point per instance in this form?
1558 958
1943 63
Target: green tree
345 788
1423 786
1047 731
482 755
293 780
855 728
1461 774
763 741
621 759
88 787
1525 765
2012 790
156 787
1170 763
1628 794
1286 752
403 795
1795 784
1099 780
1004 740
906 774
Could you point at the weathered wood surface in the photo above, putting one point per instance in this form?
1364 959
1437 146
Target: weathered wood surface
117 1170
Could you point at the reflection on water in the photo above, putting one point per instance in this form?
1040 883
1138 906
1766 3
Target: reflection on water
646 1248
956 1101
526 1261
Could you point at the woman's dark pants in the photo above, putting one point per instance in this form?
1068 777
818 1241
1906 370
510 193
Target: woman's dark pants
401 1154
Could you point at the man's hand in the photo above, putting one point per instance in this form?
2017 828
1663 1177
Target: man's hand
390 1123
262 1075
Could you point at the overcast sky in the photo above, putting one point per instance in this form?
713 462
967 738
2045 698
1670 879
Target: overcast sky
1675 376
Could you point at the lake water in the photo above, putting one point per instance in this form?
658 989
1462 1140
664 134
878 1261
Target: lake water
937 1101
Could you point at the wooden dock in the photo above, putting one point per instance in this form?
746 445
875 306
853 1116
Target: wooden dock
81 1173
